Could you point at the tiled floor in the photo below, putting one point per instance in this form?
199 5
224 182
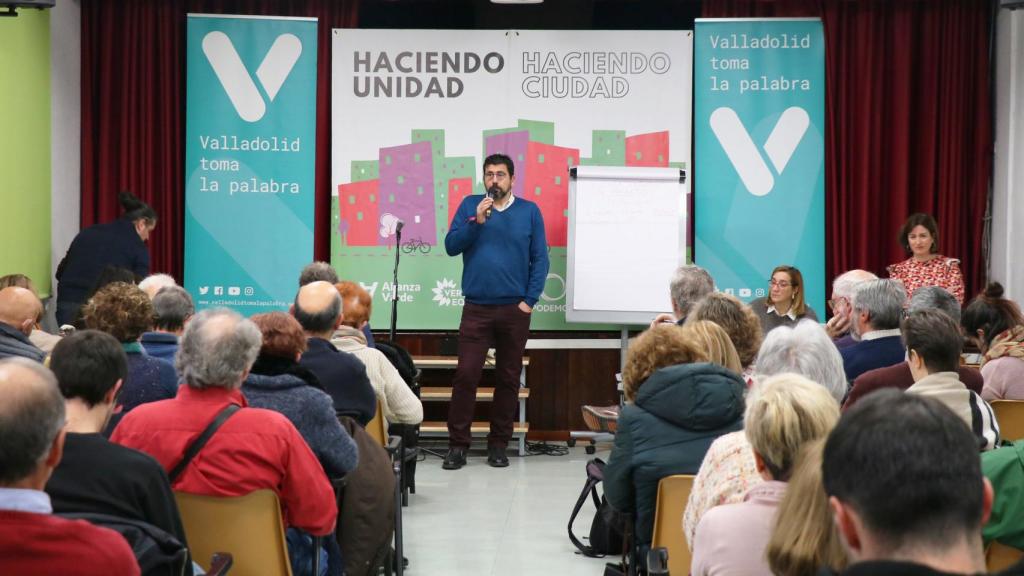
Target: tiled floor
499 521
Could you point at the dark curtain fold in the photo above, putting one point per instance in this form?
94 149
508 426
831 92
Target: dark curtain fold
133 108
908 123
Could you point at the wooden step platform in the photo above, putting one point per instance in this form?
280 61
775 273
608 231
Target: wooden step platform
451 362
444 394
477 428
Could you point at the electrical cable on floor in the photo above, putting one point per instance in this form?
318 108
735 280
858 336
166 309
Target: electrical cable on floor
545 449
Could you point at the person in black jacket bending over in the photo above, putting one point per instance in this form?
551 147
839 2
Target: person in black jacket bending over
120 244
504 266
95 475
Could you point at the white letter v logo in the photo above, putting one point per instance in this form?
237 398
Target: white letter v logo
743 153
237 82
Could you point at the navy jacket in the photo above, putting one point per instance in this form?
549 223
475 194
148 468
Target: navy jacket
678 412
112 244
160 345
344 377
870 354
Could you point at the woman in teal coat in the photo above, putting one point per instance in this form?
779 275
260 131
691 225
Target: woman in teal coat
677 404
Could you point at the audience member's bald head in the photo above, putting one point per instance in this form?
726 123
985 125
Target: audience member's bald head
19 308
31 418
318 307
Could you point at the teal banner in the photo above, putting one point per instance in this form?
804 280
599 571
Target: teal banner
759 153
249 159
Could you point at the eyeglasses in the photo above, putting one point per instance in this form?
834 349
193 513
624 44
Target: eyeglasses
835 302
495 175
779 283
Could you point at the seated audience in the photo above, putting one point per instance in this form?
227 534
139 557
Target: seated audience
32 539
715 342
677 404
318 310
172 308
323 272
1004 468
19 311
804 538
728 471
397 401
737 319
843 287
996 325
254 449
783 413
125 312
933 345
875 323
784 305
96 475
40 338
277 382
154 283
898 375
689 285
904 482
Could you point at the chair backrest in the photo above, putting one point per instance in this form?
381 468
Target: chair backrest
999 557
673 492
248 527
1010 417
376 427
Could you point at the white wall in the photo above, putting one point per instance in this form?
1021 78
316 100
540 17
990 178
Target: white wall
1008 181
66 125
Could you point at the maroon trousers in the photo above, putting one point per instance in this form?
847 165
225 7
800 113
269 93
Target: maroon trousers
504 328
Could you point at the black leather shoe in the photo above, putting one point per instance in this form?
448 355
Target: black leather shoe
496 456
455 459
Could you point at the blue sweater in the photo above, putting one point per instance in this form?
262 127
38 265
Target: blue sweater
870 354
504 260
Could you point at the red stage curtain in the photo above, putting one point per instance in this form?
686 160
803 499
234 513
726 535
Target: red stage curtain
133 108
908 114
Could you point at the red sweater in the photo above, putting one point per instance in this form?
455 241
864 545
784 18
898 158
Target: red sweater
32 543
254 449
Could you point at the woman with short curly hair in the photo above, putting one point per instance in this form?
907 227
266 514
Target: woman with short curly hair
678 404
125 312
737 319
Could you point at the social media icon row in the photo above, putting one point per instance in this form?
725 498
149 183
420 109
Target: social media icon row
232 290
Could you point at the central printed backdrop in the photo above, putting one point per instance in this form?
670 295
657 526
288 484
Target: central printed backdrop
416 111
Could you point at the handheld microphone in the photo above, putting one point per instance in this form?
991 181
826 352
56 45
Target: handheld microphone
492 193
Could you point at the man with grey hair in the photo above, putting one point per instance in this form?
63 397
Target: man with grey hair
318 272
728 470
318 309
899 375
253 449
877 308
689 285
32 539
172 309
154 283
843 288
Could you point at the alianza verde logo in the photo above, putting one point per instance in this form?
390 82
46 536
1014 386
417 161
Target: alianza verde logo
236 80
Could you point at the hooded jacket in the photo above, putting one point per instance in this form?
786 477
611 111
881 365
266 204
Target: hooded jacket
678 412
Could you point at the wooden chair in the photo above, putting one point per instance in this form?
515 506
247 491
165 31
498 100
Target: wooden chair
1010 416
377 429
999 557
673 492
248 527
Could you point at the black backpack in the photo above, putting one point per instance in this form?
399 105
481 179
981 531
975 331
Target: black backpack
608 527
158 553
402 361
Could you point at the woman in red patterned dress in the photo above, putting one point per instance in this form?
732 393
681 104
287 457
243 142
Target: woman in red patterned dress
926 267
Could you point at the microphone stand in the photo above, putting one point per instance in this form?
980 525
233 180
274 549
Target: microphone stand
394 292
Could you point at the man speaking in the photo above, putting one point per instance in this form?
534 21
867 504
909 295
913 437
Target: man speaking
504 266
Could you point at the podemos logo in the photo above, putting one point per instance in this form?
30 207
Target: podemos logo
446 294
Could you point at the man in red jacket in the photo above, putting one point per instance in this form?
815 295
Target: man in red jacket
254 448
32 539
